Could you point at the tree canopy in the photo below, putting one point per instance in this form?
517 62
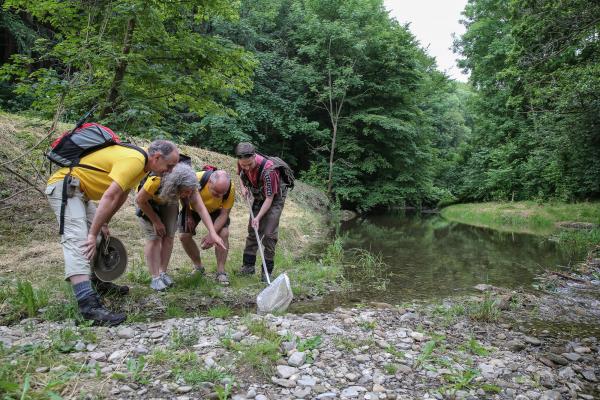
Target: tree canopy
337 88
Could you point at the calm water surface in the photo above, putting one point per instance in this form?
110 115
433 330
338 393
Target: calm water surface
428 257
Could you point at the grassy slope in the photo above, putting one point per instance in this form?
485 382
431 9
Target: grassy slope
30 249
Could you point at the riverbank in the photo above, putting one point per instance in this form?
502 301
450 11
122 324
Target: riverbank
31 260
575 226
475 347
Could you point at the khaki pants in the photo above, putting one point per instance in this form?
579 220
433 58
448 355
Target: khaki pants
79 213
268 228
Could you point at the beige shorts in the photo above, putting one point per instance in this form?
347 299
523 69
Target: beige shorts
79 214
168 216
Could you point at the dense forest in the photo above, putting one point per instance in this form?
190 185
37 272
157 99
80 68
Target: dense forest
337 88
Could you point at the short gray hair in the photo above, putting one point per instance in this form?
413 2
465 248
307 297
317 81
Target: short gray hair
219 174
164 147
181 178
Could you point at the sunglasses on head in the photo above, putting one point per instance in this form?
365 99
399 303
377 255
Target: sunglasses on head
246 155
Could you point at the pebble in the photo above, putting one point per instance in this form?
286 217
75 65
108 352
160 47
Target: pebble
284 371
125 333
297 359
532 340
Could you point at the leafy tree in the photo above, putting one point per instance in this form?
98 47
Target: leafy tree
143 61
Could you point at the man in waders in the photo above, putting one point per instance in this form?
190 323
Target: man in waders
260 179
115 170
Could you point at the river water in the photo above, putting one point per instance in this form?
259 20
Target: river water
426 257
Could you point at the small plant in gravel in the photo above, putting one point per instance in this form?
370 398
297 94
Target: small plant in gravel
390 369
485 311
259 328
136 367
349 344
310 343
64 340
368 325
220 311
197 376
461 379
473 346
395 352
182 339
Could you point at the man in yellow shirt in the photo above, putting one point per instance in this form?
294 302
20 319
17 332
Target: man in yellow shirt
116 170
218 195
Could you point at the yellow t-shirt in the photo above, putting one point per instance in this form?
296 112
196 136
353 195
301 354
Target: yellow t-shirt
151 187
116 163
213 204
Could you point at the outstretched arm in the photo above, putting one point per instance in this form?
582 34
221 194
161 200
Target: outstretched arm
200 208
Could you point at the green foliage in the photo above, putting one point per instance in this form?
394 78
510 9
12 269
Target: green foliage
152 66
535 67
310 343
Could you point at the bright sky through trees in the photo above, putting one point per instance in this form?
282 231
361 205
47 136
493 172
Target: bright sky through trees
433 22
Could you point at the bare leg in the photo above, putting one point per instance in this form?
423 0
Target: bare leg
191 248
75 279
220 253
165 253
152 251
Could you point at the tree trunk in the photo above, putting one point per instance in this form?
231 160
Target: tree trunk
331 159
121 68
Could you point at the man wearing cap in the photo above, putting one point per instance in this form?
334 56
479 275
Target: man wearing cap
116 170
260 181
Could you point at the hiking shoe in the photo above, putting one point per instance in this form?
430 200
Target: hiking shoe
247 270
222 278
106 288
92 309
166 279
158 284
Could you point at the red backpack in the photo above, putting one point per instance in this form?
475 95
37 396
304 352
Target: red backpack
70 147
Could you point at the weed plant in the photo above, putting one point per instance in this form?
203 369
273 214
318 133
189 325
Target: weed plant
220 311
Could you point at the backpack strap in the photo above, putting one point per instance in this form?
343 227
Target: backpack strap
204 179
133 146
262 167
63 203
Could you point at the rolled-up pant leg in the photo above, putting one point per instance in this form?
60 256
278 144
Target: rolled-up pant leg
79 214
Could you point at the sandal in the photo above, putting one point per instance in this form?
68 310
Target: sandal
222 278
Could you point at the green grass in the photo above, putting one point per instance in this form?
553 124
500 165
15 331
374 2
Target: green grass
523 216
18 376
181 339
220 311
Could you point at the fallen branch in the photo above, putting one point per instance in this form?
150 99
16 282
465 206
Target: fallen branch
567 276
23 179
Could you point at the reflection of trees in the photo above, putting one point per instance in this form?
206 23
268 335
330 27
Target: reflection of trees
435 256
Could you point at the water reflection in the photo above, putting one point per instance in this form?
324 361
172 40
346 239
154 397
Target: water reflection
429 257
